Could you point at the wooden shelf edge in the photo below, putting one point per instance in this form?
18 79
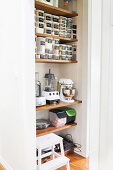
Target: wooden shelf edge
53 129
56 37
54 61
53 106
54 10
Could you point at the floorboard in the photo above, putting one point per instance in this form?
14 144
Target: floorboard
77 163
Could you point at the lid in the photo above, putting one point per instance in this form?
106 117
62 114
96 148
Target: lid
69 111
60 113
49 75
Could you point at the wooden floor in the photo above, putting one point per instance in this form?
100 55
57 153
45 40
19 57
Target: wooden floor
77 163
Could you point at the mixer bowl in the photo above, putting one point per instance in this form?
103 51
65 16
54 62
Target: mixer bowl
69 93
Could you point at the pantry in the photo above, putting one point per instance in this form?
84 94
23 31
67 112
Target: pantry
61 71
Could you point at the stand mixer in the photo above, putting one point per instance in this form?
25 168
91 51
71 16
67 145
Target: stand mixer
67 91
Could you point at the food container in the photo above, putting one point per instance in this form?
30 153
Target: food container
55 32
49 2
48 43
55 18
69 52
39 13
48 24
55 3
56 41
69 31
62 20
48 31
74 31
56 50
69 26
68 35
37 55
39 27
73 36
74 26
47 51
62 33
70 114
62 47
63 57
50 56
69 47
40 44
63 52
57 117
43 56
47 17
39 19
69 21
56 57
42 124
69 57
74 52
55 25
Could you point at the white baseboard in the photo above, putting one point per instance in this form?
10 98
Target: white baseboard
5 164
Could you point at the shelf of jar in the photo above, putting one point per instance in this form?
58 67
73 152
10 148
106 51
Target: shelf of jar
38 60
62 39
54 10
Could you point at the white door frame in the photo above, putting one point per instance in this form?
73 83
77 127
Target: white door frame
95 19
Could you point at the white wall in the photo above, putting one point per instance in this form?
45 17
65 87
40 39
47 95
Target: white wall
17 104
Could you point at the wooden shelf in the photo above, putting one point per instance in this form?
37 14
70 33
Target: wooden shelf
53 129
54 10
53 106
54 61
63 40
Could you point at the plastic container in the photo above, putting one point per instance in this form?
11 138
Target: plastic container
55 3
48 24
55 32
70 114
39 13
39 27
56 41
48 43
69 47
55 25
62 47
42 124
56 57
55 18
63 57
57 117
39 19
40 44
48 31
47 17
74 26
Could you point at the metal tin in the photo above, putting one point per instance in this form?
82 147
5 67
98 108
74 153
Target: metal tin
40 44
48 43
74 26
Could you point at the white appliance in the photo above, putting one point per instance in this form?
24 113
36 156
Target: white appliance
40 101
51 97
67 91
